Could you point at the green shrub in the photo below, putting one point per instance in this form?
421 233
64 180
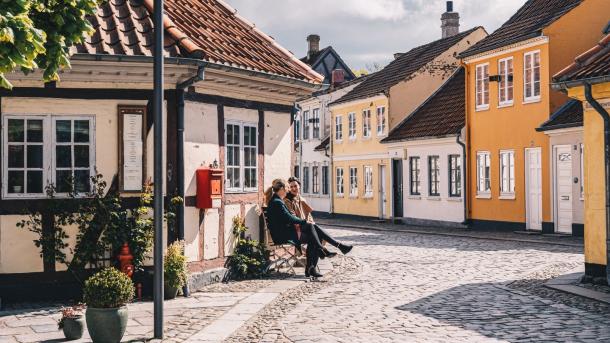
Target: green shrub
175 268
108 288
250 257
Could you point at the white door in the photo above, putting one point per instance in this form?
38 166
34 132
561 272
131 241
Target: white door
563 189
533 188
382 192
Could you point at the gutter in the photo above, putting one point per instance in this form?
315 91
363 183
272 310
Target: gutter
564 85
464 188
180 88
606 117
142 59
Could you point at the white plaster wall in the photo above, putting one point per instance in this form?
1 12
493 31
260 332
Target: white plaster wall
252 221
241 114
18 254
191 234
71 231
277 147
210 236
573 139
230 212
200 141
441 208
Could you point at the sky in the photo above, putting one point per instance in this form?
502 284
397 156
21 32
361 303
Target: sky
365 32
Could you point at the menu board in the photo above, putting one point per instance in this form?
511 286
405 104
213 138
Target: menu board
132 154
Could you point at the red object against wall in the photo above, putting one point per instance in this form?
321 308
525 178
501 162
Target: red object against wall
209 186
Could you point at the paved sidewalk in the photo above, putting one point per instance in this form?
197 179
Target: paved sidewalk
519 236
208 316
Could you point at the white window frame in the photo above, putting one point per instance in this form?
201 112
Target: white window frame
305 135
532 80
315 116
434 176
338 128
483 183
368 181
340 186
48 151
415 170
366 123
480 76
306 179
381 124
353 182
315 180
505 85
351 125
242 161
507 174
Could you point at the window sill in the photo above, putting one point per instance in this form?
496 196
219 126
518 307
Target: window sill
366 138
482 108
339 195
383 135
455 199
508 104
352 139
368 196
353 197
338 141
415 197
531 101
483 196
434 198
507 197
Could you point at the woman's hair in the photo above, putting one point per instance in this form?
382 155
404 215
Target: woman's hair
276 185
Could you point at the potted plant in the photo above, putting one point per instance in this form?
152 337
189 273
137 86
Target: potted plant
106 294
72 322
175 269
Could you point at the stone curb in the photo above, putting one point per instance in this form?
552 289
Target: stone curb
446 234
568 283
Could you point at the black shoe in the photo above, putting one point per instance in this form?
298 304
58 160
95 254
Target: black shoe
345 248
328 253
312 272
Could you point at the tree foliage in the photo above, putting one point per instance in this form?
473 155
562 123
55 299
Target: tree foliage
39 33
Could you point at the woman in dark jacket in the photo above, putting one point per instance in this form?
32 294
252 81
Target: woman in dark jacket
281 222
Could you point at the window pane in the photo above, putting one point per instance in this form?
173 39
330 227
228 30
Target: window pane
81 131
15 156
62 181
34 156
229 134
236 139
236 176
63 131
15 130
81 181
34 181
63 158
81 156
247 134
15 182
35 131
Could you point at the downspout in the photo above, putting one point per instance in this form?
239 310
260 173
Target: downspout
464 178
606 117
180 89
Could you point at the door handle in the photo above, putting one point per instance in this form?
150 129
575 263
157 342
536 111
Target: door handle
565 197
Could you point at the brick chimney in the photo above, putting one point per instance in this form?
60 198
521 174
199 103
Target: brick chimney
450 21
313 42
338 77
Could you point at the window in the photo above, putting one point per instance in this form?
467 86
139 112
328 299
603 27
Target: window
242 156
306 125
315 180
297 129
531 76
582 171
505 86
353 182
338 128
339 181
297 170
305 179
414 171
380 121
483 173
368 182
455 176
325 185
507 172
482 86
352 125
434 175
47 149
366 123
316 123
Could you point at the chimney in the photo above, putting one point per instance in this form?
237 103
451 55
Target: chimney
398 54
450 21
338 77
313 45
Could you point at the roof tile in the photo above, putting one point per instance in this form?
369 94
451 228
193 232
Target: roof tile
568 115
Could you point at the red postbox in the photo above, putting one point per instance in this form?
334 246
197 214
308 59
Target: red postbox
209 186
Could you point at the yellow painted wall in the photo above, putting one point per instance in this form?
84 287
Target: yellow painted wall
508 128
594 175
356 152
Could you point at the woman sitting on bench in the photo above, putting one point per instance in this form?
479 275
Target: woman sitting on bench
281 220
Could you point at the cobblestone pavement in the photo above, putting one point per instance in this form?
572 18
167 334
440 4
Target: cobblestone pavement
429 288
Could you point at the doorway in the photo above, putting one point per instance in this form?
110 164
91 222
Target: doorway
382 192
563 189
533 188
397 189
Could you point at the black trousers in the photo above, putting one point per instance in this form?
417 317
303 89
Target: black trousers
313 235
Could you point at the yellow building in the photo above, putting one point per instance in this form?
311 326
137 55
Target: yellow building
508 96
362 182
588 80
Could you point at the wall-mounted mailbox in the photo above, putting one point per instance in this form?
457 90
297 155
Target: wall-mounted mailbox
209 187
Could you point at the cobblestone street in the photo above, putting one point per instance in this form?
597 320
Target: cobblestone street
429 288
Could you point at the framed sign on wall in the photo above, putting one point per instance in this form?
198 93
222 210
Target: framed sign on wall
132 148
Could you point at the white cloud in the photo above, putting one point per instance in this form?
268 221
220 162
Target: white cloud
374 9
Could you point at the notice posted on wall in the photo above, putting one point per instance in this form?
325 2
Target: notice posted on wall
132 149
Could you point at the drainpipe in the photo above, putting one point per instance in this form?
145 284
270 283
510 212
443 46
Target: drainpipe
606 117
464 187
180 153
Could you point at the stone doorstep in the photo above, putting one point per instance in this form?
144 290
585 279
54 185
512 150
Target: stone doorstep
568 283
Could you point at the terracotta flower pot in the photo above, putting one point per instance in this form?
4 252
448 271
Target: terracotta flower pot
106 325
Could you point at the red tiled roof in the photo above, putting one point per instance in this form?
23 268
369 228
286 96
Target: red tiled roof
442 114
528 22
204 29
594 63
